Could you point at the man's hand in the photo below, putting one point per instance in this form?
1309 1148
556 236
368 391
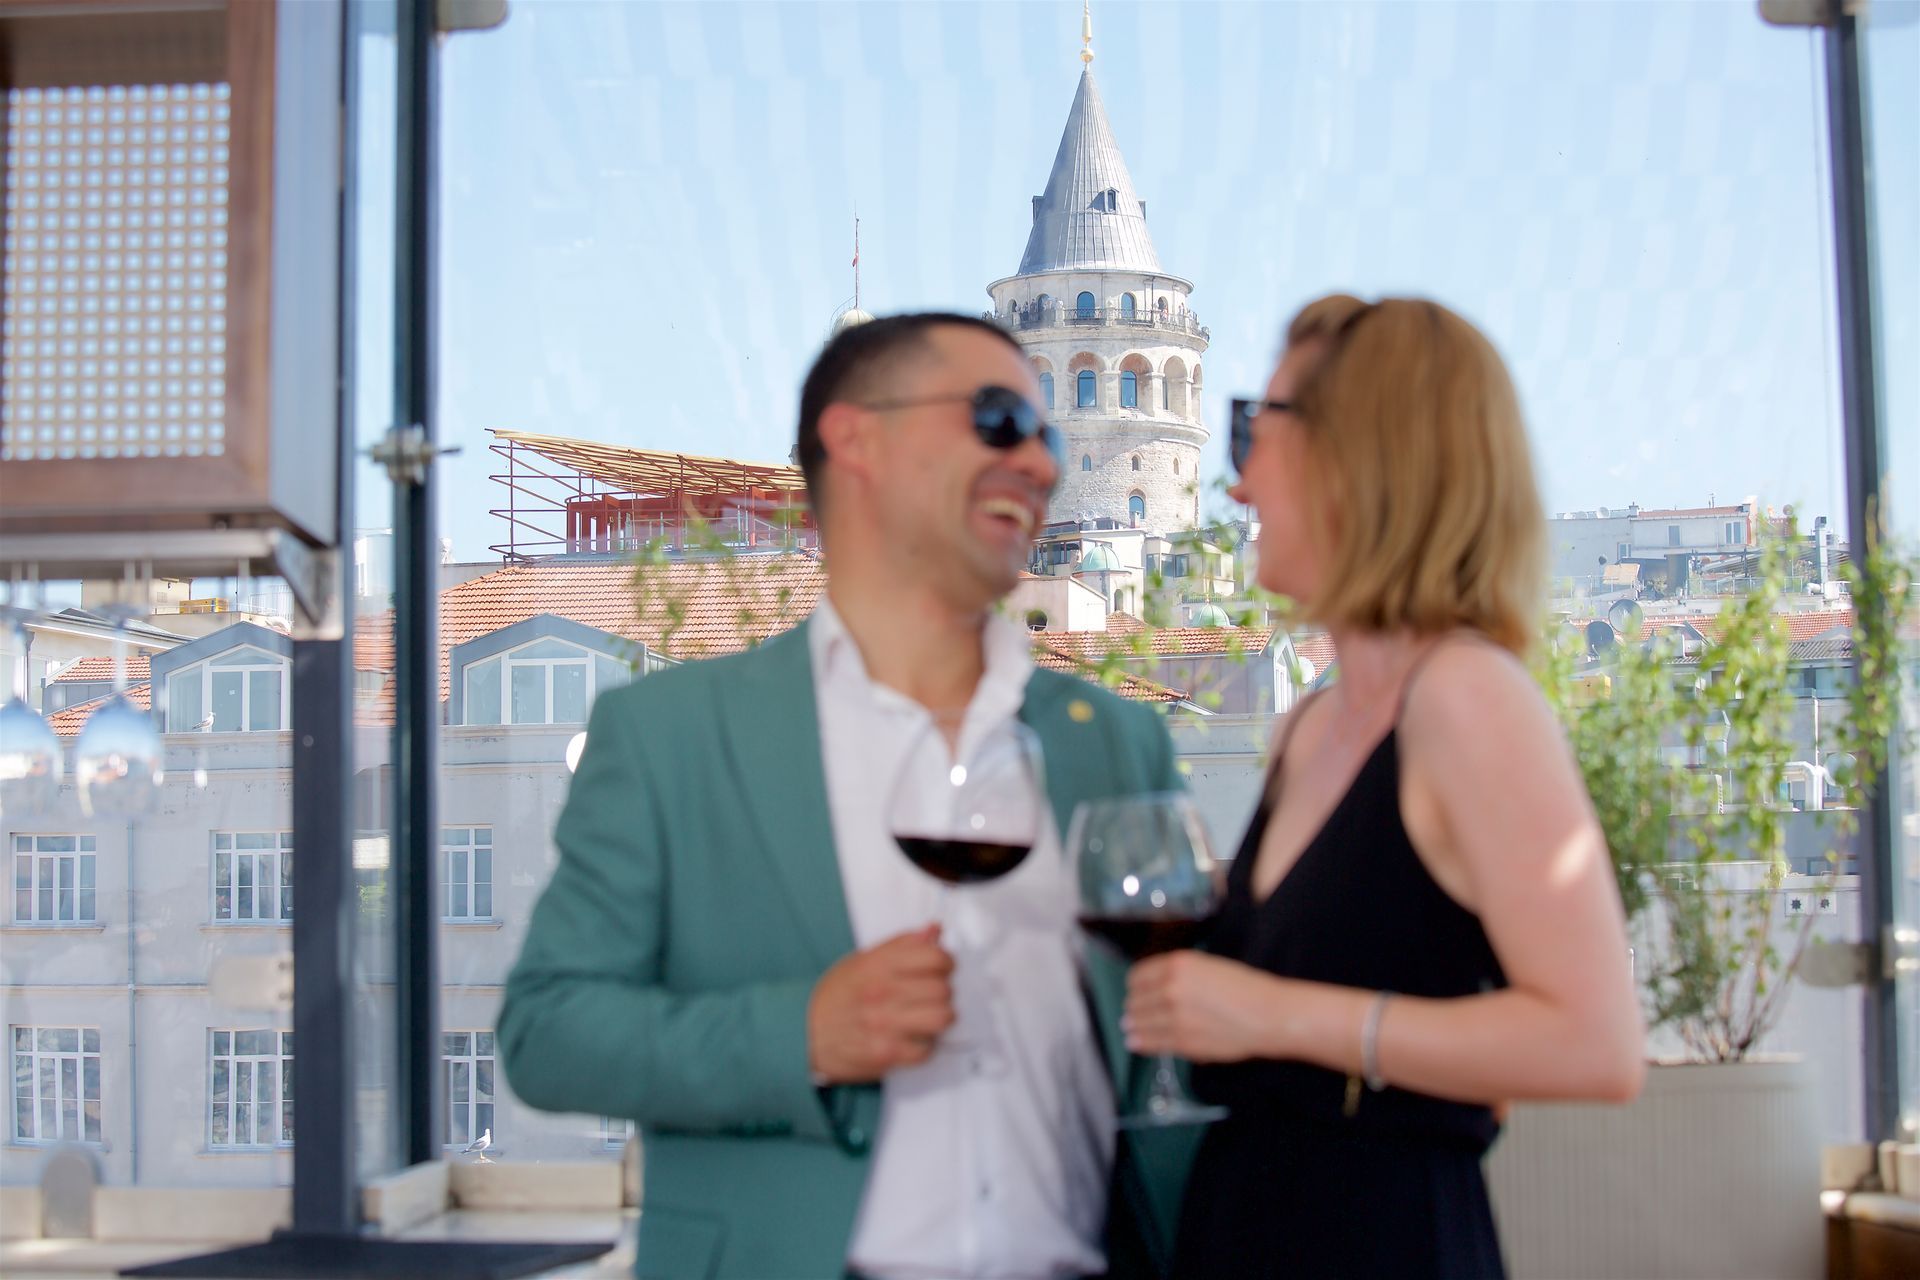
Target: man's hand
881 1008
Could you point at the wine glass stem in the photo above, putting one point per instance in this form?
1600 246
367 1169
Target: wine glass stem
1166 1093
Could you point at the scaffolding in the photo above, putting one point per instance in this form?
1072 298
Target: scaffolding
580 497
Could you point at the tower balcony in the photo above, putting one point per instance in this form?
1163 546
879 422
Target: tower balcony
1060 315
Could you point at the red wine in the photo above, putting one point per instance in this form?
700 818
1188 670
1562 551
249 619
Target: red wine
1138 936
962 861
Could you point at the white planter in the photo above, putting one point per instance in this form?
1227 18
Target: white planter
1713 1172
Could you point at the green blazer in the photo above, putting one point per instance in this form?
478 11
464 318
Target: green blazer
666 973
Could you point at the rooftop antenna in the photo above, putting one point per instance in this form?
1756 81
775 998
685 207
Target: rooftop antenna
856 260
1086 31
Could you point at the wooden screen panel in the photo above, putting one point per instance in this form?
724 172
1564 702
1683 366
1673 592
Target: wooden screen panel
175 433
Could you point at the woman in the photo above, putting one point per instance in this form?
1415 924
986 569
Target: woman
1421 922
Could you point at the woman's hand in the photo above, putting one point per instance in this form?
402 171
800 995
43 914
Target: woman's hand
1202 1008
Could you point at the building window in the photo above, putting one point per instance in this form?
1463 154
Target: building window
1736 534
615 1131
1036 620
1673 535
1086 462
252 876
467 1062
466 869
251 1089
1083 306
1046 389
1127 306
56 1084
1166 395
1085 385
544 682
1621 558
1130 390
53 880
1136 462
1137 508
243 691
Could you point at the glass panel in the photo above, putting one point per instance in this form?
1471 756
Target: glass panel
483 693
1130 390
184 691
569 693
56 844
529 694
263 700
229 688
1890 57
245 656
609 673
546 649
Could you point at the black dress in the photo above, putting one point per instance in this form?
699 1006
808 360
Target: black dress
1288 1185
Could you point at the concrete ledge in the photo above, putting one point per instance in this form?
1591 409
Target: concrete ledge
559 1185
406 1199
19 1213
160 1214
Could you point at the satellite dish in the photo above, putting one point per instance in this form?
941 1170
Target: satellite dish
1600 637
1626 617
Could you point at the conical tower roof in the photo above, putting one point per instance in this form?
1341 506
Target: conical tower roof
1089 215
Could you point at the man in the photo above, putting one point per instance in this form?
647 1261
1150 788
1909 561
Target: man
734 952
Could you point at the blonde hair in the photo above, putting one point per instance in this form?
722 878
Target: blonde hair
1423 492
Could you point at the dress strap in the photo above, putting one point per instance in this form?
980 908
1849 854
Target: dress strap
1280 748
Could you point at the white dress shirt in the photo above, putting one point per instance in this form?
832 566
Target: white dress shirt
992 1157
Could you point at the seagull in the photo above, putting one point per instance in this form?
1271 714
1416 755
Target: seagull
205 726
478 1147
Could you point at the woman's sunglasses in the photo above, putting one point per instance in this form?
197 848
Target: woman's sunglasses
1002 418
1240 430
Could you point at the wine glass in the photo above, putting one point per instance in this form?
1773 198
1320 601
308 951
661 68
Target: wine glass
119 763
30 758
967 811
1148 882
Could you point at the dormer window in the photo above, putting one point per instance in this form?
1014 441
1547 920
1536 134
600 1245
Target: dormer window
545 682
1113 199
241 691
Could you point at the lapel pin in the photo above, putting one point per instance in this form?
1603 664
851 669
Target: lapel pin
1080 710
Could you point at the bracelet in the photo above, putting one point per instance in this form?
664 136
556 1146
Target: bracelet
1370 1042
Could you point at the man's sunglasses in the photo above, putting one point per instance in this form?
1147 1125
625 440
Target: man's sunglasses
1240 432
1002 418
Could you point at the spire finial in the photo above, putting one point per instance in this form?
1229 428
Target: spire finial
1086 31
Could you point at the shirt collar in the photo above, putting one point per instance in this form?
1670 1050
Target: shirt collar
1005 649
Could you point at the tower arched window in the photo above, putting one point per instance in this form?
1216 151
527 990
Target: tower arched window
1086 462
1137 508
1126 306
1165 402
1130 389
1136 462
1046 389
1085 399
1083 306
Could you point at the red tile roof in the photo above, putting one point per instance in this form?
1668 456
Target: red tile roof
1163 643
1122 623
684 610
68 721
1130 687
82 670
1317 649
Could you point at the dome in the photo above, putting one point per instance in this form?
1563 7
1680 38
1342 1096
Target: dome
847 319
1098 560
1210 615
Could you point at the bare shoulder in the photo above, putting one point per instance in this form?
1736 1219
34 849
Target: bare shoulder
1473 691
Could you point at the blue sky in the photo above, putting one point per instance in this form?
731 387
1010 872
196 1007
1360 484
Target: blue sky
647 210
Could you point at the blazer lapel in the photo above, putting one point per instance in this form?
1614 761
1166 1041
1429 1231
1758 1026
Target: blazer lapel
1080 766
772 730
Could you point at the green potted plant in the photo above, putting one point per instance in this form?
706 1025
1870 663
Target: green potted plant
1715 1169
